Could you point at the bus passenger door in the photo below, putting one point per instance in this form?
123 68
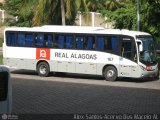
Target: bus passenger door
126 60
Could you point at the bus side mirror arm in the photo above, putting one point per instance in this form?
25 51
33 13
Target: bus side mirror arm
140 48
140 45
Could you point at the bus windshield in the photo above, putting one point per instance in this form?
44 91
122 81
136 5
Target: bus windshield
148 55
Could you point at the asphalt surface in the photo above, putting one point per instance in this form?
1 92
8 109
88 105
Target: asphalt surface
70 94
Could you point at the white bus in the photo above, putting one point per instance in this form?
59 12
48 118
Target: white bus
111 53
5 91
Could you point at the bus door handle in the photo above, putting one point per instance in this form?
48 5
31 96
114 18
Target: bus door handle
91 64
21 59
80 63
69 62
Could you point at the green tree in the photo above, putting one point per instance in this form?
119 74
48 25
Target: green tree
150 15
95 5
26 12
23 9
54 16
125 16
38 12
12 6
112 4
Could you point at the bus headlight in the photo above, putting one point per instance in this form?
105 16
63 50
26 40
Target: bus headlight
148 68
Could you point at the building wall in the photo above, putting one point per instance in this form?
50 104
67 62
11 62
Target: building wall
96 20
2 1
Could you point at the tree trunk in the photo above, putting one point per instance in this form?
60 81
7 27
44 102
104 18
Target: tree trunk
63 12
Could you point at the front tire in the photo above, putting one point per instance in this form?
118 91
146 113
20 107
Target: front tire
110 73
43 69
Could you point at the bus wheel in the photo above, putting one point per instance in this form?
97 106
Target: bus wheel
110 73
43 69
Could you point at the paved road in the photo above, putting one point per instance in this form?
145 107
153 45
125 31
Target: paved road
69 94
89 79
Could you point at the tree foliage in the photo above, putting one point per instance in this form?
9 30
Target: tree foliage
123 13
39 12
12 6
150 17
24 10
95 5
125 16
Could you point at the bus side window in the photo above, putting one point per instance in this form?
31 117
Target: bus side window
29 40
111 44
100 43
21 40
69 41
114 44
90 42
79 42
59 41
11 39
49 40
39 40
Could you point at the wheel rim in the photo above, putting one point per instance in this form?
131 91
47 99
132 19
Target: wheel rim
110 73
43 69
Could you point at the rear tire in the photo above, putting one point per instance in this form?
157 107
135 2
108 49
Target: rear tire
110 73
43 69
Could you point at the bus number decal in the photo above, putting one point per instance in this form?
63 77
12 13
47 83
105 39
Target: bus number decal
43 53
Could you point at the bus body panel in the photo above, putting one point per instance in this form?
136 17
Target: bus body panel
72 61
128 68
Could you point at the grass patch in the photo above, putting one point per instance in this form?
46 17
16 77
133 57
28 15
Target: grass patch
1 41
1 59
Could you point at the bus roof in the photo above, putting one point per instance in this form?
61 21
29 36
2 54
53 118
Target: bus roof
76 29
